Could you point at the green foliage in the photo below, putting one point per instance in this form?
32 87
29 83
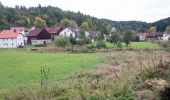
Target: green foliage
85 26
101 44
40 23
25 70
62 41
73 24
115 38
128 37
168 29
73 42
81 41
87 40
109 29
152 30
119 44
65 22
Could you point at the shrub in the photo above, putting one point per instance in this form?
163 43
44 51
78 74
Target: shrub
81 41
101 44
62 41
91 46
87 40
119 44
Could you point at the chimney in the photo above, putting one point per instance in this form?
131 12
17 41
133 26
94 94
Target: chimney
14 30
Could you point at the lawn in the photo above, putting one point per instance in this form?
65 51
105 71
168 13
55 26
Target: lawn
21 67
138 45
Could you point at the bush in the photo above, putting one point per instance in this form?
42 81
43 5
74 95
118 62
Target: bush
62 41
119 44
81 41
87 40
101 44
91 46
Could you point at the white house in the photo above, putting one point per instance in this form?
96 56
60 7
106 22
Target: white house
11 39
166 36
70 32
142 36
23 31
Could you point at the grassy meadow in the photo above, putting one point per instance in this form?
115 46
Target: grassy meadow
22 67
137 45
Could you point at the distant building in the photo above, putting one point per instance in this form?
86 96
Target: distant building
142 36
22 30
11 38
39 36
70 32
54 31
166 36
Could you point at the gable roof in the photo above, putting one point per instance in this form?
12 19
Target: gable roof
74 30
35 32
54 30
9 34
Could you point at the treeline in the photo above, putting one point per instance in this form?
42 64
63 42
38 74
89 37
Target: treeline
22 16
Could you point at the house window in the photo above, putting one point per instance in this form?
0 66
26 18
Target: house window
12 44
3 39
65 33
12 39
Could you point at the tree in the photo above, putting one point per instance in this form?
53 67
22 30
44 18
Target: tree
65 22
84 26
152 30
115 38
73 42
39 23
109 28
168 29
62 41
128 37
73 24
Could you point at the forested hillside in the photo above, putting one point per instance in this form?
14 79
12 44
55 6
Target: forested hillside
22 16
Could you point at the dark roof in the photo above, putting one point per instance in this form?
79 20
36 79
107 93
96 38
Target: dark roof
74 30
54 30
150 34
35 32
93 32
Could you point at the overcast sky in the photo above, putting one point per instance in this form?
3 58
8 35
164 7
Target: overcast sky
117 10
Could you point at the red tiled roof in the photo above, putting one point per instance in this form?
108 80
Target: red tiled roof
18 28
35 32
53 30
9 34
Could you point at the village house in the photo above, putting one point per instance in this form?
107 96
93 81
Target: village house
92 34
39 36
23 31
11 39
54 31
166 36
70 32
142 36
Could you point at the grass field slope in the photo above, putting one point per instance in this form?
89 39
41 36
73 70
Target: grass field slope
18 67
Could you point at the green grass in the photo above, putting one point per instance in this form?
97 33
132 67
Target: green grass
138 45
21 67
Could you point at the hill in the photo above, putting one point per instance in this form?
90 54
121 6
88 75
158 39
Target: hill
22 16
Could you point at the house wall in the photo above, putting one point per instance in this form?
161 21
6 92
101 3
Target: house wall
8 43
12 42
67 32
43 35
166 36
141 37
20 40
38 42
87 33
